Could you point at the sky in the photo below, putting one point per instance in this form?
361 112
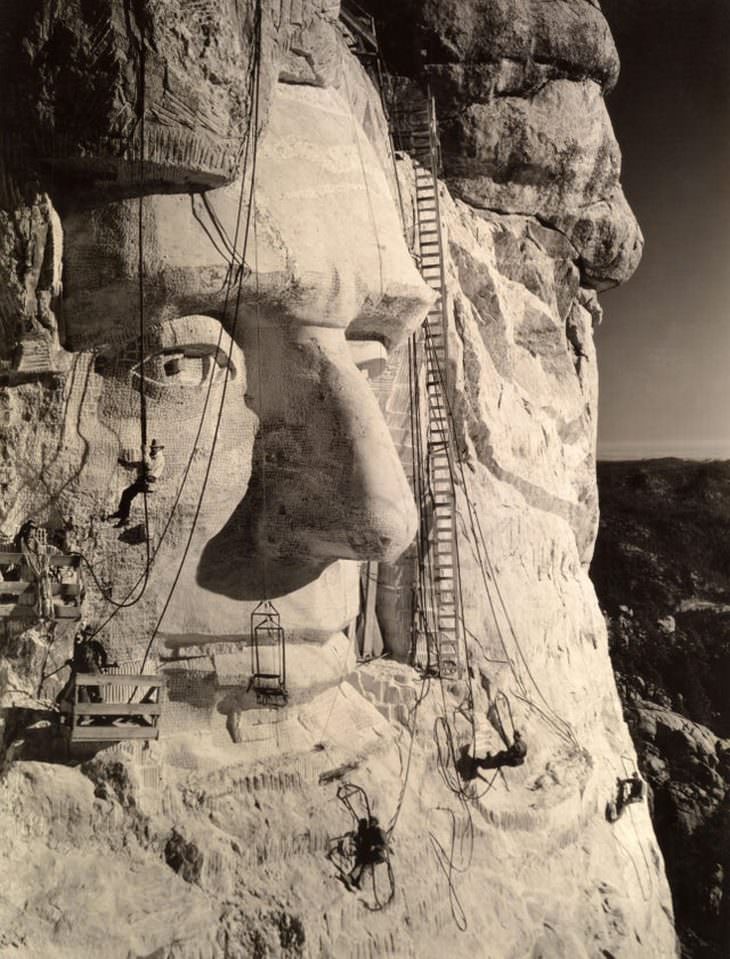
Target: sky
664 344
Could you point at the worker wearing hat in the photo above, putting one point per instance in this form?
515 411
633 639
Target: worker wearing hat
149 471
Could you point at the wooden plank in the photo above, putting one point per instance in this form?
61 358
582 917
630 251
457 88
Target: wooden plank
61 559
10 557
14 585
105 734
117 709
14 611
70 589
118 679
66 612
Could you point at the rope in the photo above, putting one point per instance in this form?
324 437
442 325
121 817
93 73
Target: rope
425 684
446 862
140 277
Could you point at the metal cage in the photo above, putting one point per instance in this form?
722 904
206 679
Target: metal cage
268 655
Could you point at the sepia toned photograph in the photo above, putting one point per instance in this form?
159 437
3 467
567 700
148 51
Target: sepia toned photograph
364 479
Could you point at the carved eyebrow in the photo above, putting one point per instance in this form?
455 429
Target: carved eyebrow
194 335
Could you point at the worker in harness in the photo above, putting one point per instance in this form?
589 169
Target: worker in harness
514 755
149 470
371 848
628 791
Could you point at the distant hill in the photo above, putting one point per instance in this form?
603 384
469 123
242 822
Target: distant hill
661 569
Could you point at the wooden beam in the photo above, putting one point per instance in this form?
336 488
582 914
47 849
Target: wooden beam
15 611
62 559
118 679
117 709
7 558
16 586
106 734
66 612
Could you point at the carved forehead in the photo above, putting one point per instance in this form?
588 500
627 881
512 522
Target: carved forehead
76 73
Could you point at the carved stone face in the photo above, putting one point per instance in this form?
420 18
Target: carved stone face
252 389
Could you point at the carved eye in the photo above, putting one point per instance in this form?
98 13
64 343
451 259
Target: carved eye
191 365
187 353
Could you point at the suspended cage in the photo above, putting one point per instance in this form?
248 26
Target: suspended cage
268 656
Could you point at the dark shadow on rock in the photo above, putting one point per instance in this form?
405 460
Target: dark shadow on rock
233 563
133 535
496 761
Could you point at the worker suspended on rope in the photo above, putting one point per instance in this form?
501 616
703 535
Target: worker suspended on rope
514 755
628 791
364 849
370 847
149 470
90 657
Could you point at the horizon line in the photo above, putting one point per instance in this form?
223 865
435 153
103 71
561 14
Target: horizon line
654 451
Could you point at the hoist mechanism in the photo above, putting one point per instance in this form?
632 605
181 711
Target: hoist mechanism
268 656
39 581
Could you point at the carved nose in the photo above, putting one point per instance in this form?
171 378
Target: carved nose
335 485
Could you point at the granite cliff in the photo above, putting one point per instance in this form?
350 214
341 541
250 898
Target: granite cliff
122 174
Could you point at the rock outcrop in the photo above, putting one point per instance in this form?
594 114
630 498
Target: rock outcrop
520 89
222 837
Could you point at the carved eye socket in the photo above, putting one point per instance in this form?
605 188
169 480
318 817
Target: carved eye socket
369 356
188 366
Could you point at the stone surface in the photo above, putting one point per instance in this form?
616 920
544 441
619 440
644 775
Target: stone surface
217 837
519 88
662 574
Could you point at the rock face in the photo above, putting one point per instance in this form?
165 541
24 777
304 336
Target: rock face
664 585
284 477
519 88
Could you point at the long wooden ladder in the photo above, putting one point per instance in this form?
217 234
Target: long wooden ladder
423 145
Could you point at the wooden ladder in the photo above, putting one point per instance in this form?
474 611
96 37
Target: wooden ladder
442 646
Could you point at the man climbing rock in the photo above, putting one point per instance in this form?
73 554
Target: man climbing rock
514 755
517 751
149 471
630 790
371 848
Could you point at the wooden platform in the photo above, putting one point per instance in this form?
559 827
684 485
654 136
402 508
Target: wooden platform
121 695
